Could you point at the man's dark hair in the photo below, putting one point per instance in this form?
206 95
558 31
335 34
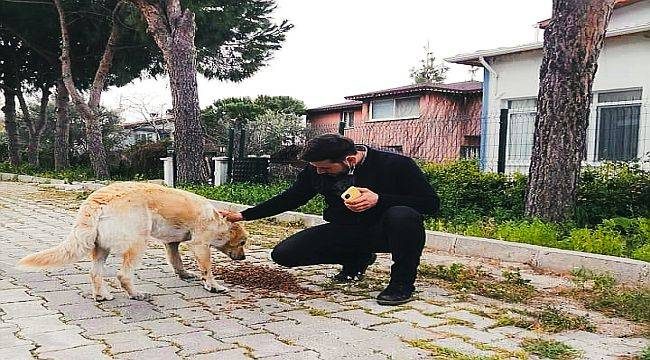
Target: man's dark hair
332 147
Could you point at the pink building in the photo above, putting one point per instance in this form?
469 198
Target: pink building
435 122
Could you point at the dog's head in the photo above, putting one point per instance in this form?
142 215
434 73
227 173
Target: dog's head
235 241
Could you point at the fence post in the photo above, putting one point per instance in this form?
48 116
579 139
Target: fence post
242 143
231 151
503 138
168 168
220 170
342 127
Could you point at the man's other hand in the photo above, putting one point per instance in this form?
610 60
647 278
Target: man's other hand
364 202
231 216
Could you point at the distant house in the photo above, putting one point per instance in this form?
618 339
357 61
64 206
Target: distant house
618 120
150 130
428 121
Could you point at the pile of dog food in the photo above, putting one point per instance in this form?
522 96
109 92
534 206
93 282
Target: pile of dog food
260 277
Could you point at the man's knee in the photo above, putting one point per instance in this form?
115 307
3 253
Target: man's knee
402 215
282 256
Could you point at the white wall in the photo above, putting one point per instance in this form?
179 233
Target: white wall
623 64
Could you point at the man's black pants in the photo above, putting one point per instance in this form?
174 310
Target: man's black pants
400 231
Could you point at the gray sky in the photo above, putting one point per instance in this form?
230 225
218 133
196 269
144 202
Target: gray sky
340 48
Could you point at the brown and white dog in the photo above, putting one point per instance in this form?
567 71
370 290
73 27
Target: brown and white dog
123 218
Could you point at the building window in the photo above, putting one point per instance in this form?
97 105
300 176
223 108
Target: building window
521 128
617 128
395 109
348 118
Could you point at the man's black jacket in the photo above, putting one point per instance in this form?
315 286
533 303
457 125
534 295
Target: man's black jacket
395 178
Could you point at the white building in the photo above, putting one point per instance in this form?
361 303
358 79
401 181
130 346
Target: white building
619 120
149 130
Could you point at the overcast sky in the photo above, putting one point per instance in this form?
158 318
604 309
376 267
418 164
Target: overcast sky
340 48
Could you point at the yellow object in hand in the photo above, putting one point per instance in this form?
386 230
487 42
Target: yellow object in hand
350 194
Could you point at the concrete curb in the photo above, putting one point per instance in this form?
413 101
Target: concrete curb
549 259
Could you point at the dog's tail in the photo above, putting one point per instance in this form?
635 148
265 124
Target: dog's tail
80 242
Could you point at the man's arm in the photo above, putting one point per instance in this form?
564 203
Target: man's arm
298 194
421 195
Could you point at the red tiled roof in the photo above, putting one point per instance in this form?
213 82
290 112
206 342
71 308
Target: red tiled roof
466 87
617 4
341 106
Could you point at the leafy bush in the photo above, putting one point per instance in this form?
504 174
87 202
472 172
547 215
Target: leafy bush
612 190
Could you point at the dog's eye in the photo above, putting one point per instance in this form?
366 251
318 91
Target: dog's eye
242 243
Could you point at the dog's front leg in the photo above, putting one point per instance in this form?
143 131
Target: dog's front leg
202 255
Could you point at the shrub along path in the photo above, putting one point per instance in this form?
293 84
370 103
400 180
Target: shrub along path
465 309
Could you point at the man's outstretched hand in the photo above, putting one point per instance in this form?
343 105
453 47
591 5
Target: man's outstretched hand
231 216
364 202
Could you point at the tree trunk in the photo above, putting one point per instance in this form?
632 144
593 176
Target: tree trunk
62 128
93 127
174 30
9 110
34 129
572 44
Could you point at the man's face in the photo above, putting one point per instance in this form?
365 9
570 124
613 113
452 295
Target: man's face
331 168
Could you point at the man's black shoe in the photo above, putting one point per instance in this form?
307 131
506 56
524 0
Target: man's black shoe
356 273
395 294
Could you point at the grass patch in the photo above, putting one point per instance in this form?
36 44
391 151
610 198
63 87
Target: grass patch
317 312
512 288
645 355
443 353
505 320
550 349
600 292
553 321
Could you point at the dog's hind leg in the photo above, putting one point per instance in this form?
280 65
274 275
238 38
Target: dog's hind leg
100 292
130 259
202 255
175 261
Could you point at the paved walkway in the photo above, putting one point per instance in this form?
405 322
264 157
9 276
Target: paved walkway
49 315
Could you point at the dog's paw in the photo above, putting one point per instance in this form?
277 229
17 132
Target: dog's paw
104 297
187 275
214 287
141 296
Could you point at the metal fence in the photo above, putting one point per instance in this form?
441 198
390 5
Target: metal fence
503 141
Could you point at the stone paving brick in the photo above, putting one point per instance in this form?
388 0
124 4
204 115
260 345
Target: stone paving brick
461 346
197 343
426 308
9 339
24 309
105 325
170 302
15 295
464 331
129 341
192 314
17 353
165 327
371 306
479 322
40 324
80 311
78 353
418 318
325 305
140 311
233 354
251 316
405 330
49 285
264 345
167 353
225 328
64 297
361 318
59 340
303 355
